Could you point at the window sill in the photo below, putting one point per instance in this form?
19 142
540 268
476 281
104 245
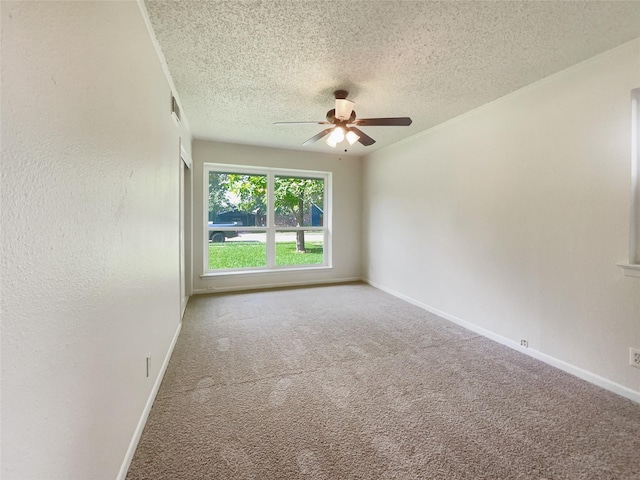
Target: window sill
265 271
630 269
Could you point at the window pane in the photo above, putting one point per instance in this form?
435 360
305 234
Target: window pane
237 199
288 251
299 201
237 249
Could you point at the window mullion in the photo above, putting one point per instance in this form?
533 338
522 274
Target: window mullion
326 227
271 230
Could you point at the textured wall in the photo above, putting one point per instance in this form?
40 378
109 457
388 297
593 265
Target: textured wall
89 234
516 214
346 212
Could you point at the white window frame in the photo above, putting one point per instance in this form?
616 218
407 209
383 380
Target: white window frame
632 269
271 228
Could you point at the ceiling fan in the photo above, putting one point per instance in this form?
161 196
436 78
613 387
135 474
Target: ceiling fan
344 124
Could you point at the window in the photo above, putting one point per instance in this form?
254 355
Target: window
261 219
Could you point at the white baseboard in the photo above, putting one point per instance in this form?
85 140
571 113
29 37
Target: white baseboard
147 409
259 286
548 359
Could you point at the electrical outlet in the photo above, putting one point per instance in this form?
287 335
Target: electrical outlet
524 343
634 357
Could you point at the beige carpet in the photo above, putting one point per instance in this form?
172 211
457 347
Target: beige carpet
347 382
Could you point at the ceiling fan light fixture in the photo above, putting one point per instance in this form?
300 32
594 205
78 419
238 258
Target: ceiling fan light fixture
344 108
352 137
337 136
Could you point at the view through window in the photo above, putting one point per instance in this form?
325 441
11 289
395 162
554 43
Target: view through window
259 218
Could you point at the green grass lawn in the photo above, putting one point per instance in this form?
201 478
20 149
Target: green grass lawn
254 254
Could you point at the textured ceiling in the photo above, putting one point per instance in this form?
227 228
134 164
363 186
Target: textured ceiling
241 65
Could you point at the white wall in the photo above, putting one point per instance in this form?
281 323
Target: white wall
347 225
515 215
90 162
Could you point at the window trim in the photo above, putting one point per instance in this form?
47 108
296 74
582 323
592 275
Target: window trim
270 229
632 269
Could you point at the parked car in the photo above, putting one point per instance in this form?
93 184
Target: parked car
219 236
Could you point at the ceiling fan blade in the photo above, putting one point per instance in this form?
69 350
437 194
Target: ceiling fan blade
392 122
364 139
301 123
319 136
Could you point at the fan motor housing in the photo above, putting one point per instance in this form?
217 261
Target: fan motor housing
331 116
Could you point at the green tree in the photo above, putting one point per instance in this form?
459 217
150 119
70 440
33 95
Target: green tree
218 188
292 196
295 196
251 193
